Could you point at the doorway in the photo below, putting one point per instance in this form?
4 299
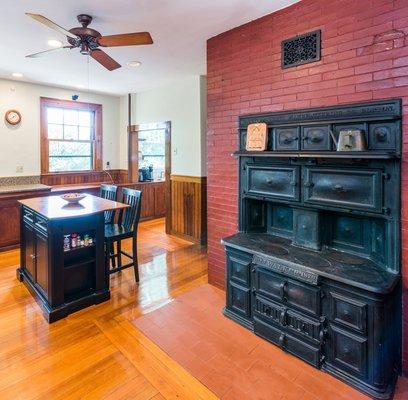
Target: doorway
150 166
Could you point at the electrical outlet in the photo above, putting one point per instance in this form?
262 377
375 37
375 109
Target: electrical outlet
19 169
107 164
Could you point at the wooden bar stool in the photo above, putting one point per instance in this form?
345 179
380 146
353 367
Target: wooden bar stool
109 192
124 229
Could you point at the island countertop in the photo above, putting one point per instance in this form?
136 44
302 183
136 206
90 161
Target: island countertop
53 207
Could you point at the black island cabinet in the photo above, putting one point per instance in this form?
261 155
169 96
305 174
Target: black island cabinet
315 267
62 259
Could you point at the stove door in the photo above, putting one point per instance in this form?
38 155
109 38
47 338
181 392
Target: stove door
344 188
274 181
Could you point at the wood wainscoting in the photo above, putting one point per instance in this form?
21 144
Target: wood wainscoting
77 178
188 214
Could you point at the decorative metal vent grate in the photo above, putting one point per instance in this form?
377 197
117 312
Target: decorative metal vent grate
301 49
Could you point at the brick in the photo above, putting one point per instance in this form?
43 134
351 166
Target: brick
341 73
375 85
377 66
364 57
323 68
399 62
352 80
390 73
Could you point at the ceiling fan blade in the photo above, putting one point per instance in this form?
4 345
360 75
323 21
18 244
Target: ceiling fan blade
52 25
126 39
107 61
45 52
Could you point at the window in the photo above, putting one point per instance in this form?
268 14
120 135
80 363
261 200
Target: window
71 136
152 151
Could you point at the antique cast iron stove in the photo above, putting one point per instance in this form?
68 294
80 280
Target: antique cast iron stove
315 267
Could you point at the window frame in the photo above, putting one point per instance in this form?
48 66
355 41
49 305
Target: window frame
46 102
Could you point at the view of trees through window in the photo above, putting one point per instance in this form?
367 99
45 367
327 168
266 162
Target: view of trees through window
152 151
70 135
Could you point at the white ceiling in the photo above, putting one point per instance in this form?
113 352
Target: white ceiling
179 29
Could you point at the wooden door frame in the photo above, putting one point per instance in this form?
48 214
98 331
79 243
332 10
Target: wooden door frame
134 130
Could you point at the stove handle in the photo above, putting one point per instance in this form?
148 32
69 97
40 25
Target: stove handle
282 318
282 288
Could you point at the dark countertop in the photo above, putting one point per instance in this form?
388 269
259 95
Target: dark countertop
53 207
34 187
338 266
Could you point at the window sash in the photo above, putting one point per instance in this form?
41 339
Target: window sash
95 134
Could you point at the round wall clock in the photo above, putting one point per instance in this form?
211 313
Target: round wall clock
13 117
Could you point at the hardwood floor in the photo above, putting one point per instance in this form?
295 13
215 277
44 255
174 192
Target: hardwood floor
97 353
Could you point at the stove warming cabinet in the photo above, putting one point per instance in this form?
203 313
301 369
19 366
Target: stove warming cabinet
315 267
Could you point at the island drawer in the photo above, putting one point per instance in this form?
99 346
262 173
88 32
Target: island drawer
28 215
280 182
359 189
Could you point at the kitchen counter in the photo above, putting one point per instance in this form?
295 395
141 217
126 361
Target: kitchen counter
34 187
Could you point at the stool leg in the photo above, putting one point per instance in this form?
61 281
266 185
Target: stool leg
112 255
107 257
135 263
119 250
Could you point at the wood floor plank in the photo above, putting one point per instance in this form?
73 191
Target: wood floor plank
93 354
191 383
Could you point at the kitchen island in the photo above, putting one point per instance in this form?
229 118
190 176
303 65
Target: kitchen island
62 253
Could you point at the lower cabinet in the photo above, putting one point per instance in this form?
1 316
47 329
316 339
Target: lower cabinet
153 199
41 261
36 257
238 288
347 351
341 329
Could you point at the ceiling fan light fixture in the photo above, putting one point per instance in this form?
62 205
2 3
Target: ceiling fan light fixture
134 64
85 49
54 43
17 74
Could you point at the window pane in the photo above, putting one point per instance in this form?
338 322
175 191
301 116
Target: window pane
69 149
55 131
70 132
55 115
84 118
84 133
70 164
152 142
70 117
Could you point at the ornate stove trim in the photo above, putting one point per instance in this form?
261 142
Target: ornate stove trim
292 271
387 109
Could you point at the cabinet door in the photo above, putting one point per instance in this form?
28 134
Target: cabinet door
348 351
159 200
29 250
41 262
147 201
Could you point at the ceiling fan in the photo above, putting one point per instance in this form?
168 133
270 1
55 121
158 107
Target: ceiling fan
89 40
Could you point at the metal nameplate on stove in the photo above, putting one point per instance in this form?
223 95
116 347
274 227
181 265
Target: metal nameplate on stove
293 272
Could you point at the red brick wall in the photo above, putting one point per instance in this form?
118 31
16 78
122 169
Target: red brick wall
364 57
